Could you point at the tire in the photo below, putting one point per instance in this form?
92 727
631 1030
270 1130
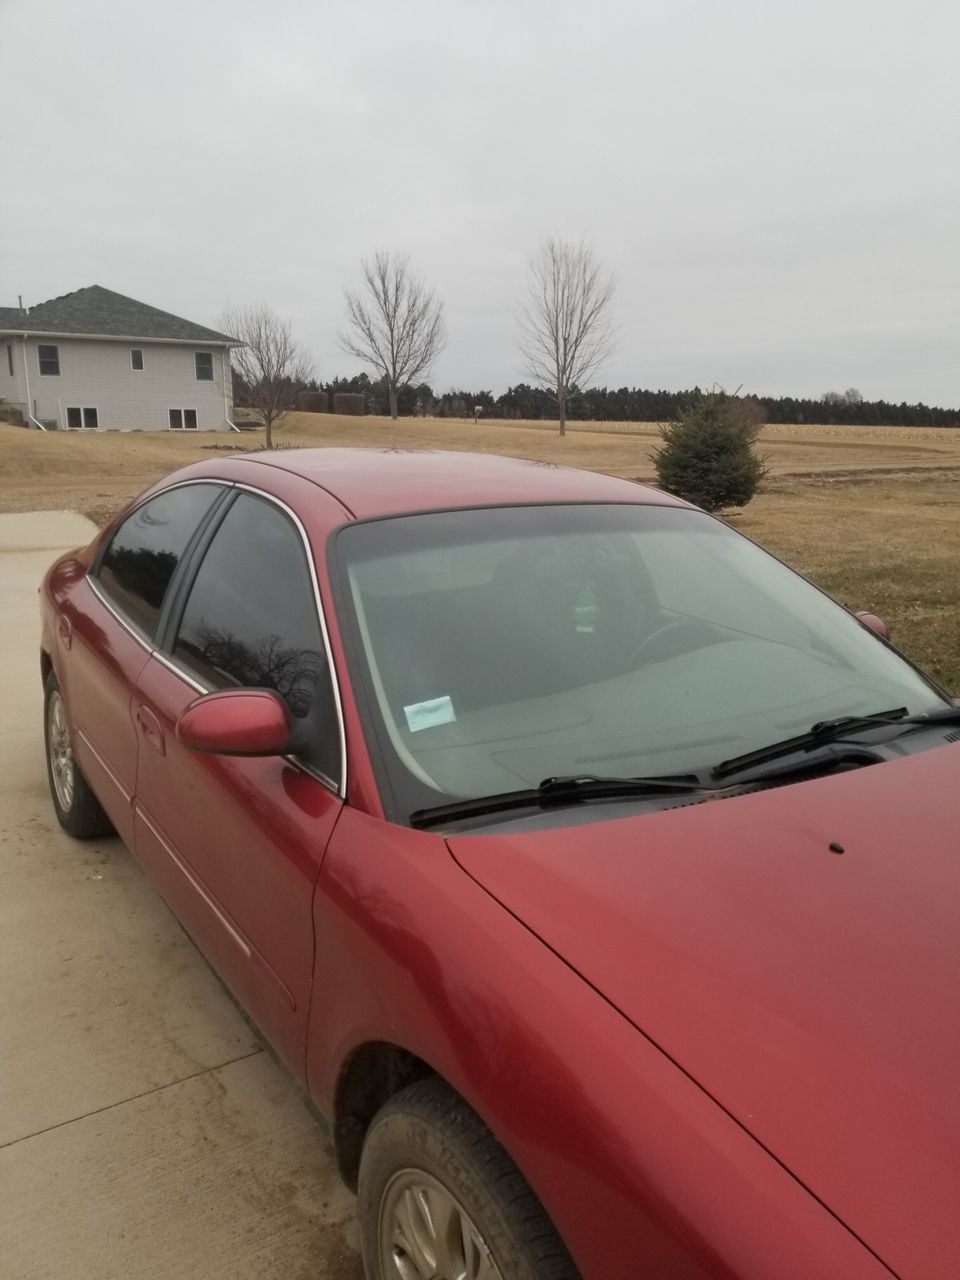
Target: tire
78 810
429 1160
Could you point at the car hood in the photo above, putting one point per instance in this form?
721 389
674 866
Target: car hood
814 994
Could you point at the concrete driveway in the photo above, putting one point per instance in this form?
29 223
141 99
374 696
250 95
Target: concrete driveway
144 1132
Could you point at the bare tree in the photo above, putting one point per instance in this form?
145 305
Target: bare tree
565 327
395 323
270 362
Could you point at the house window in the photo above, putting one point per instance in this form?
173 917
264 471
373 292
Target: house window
183 419
49 360
78 418
203 361
10 359
136 358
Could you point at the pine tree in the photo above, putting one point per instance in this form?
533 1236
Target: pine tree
708 455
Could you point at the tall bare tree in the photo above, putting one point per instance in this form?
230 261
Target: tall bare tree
270 362
566 330
395 323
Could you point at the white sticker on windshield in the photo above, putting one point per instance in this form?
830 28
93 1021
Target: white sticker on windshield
425 715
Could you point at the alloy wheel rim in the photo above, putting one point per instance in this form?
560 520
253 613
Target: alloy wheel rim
426 1234
60 751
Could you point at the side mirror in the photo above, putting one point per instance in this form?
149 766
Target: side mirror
874 624
236 722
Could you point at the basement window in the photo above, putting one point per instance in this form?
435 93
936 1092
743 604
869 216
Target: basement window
183 419
203 361
136 358
48 357
82 419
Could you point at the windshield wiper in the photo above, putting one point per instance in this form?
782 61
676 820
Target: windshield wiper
558 792
555 793
818 735
943 715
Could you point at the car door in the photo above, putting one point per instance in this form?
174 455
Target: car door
105 628
235 844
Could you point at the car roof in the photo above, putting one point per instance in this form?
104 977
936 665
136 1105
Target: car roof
379 482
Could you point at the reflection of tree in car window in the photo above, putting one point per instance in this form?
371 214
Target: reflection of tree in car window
265 664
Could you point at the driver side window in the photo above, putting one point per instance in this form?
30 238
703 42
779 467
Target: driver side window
251 620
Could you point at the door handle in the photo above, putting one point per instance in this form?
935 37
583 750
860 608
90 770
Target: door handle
151 729
64 631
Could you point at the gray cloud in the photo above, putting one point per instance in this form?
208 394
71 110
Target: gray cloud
774 183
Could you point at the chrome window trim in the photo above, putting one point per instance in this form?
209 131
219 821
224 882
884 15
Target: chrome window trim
341 788
117 616
178 484
296 763
149 497
201 689
92 581
177 670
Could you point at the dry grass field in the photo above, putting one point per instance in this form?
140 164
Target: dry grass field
871 514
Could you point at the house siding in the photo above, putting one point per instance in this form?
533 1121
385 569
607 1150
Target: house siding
96 373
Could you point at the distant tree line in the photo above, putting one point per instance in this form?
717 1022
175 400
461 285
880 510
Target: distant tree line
395 326
613 404
620 404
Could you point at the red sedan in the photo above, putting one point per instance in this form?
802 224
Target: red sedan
419 748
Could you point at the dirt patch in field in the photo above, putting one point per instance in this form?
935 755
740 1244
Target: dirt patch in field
856 475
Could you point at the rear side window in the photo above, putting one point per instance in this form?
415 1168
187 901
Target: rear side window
144 552
251 619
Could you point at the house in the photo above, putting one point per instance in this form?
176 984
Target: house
96 360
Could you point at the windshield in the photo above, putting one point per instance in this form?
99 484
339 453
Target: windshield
503 646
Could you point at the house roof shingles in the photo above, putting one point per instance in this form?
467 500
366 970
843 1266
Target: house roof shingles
102 313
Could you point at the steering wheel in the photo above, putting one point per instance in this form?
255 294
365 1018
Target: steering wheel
669 628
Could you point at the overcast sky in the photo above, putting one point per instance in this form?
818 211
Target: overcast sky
774 183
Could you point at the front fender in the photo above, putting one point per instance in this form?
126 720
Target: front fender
641 1172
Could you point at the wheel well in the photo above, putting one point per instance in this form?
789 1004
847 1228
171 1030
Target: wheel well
371 1077
46 666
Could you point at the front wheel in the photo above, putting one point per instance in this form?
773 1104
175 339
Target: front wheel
440 1199
78 810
